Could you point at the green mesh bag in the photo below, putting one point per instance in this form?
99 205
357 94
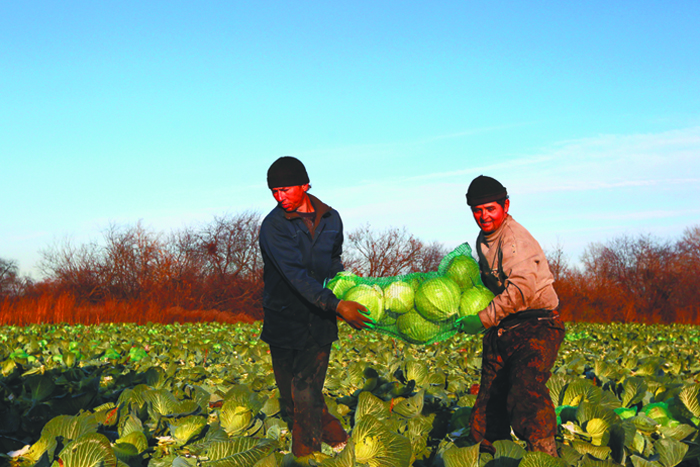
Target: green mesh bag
421 307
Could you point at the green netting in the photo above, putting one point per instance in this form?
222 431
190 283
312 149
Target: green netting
421 307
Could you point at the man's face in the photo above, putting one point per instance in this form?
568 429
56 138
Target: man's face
290 197
490 216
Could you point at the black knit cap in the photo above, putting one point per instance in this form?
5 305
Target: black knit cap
483 190
287 171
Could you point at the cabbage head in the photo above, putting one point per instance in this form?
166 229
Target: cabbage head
464 270
474 300
376 445
658 411
416 281
416 329
388 320
341 283
235 418
371 296
437 299
626 412
398 297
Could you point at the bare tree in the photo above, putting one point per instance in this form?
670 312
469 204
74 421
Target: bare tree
230 245
689 247
231 262
558 263
9 277
391 252
136 261
429 257
635 271
75 267
8 270
184 248
687 270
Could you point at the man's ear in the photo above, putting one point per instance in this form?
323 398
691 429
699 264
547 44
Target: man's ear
506 205
305 187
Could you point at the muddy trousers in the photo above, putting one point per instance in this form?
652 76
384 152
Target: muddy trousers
518 356
300 375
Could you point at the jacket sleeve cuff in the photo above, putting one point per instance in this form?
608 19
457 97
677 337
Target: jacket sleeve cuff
485 318
329 303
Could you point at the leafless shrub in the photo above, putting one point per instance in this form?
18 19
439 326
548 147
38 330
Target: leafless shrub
231 263
11 283
635 277
218 266
429 257
135 262
230 246
215 266
687 272
558 263
390 252
74 267
8 275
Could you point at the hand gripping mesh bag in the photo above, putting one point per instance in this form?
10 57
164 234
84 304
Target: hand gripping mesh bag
421 307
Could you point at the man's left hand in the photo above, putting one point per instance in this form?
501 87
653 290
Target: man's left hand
470 324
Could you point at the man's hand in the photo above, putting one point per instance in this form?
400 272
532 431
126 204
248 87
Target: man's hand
470 324
355 314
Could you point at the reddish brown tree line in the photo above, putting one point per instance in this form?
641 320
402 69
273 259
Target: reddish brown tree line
217 266
213 267
642 279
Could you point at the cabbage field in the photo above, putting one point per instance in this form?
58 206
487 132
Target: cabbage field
204 395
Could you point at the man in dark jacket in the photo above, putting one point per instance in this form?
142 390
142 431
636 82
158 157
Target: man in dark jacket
301 241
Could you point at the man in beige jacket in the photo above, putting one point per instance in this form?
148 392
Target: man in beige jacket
523 331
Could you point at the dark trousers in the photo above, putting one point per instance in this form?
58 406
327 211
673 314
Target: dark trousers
518 356
300 375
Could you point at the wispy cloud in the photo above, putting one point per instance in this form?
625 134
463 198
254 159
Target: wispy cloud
604 162
574 186
475 131
398 147
608 162
643 215
583 191
519 163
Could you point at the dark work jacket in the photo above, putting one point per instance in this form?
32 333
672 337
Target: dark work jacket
297 307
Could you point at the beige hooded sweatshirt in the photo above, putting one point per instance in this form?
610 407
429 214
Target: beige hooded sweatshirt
528 280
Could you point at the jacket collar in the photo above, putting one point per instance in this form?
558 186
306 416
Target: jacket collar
320 207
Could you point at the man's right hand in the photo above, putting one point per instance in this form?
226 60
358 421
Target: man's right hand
355 314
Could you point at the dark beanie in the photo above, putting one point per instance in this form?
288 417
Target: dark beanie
287 171
483 190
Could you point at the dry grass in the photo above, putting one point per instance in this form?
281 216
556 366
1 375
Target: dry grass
65 309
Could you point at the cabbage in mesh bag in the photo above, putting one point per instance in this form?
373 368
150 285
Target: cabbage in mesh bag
421 307
437 299
371 296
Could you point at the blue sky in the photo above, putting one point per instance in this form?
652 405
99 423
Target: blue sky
171 112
